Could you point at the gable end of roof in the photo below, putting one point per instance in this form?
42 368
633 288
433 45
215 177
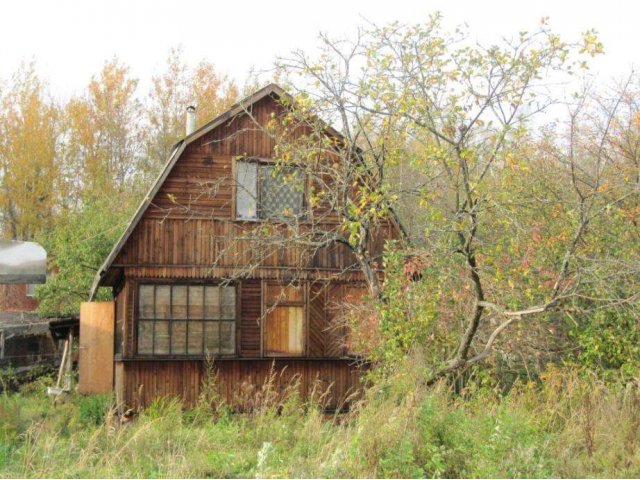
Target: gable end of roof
236 109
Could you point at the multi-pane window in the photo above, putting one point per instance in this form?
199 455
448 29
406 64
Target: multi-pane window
266 191
186 320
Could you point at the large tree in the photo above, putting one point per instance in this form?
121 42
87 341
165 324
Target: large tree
102 139
509 218
30 184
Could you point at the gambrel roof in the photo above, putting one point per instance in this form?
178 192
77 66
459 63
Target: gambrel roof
242 106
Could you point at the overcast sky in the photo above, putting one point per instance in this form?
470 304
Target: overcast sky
71 39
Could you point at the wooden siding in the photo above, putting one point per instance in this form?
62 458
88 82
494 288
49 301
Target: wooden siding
250 318
317 319
121 315
335 332
189 243
206 165
190 226
239 381
130 336
325 334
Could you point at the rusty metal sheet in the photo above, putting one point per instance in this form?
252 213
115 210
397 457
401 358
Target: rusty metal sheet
22 262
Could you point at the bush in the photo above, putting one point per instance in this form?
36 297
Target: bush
92 409
8 380
610 341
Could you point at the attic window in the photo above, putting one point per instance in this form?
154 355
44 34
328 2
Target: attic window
266 191
186 320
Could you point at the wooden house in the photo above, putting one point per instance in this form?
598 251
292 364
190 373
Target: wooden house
183 290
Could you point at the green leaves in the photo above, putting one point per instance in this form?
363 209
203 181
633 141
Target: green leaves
609 341
77 247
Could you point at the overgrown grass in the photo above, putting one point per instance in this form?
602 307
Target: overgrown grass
565 426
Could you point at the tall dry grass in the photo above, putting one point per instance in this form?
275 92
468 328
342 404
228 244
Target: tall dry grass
568 425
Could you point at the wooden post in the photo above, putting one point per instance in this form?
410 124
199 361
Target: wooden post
63 362
69 365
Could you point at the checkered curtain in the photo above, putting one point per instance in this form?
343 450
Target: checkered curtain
281 193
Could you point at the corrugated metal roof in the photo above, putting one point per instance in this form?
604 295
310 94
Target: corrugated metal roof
22 262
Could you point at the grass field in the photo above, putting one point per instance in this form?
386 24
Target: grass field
563 426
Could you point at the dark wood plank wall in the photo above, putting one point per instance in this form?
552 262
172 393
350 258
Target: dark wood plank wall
131 287
317 321
326 336
250 318
239 381
207 163
335 331
121 315
190 220
188 243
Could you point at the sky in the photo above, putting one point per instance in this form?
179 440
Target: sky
70 40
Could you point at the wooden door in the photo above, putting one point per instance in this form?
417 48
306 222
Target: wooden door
285 331
97 320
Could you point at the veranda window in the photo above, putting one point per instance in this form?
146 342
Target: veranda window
265 191
186 320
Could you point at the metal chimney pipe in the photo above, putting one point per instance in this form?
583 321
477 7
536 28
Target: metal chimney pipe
191 120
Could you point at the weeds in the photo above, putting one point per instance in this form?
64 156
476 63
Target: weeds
567 426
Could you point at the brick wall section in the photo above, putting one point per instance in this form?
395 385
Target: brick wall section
13 298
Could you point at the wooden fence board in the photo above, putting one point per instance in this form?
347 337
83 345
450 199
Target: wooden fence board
96 347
